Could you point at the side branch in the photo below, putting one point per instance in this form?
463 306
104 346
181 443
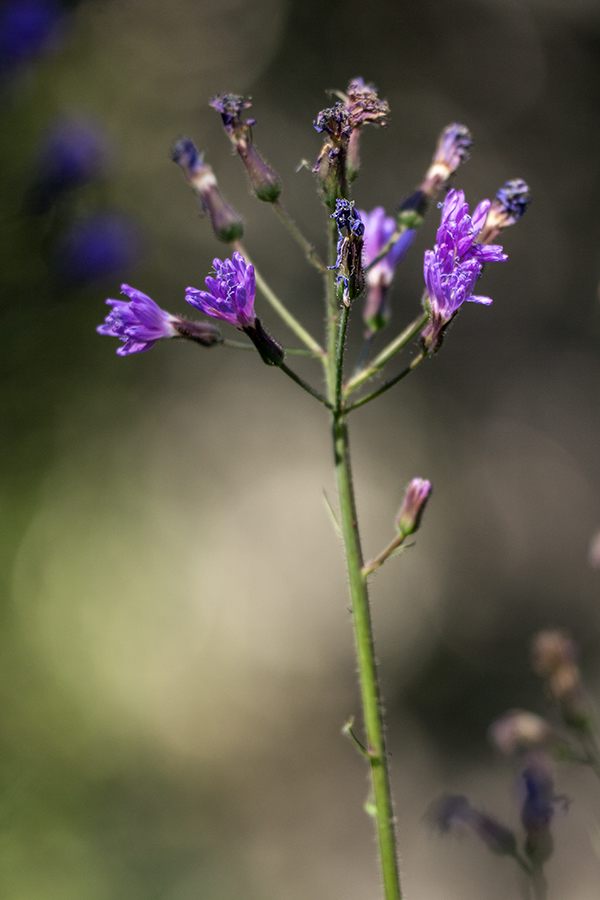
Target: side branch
388 384
404 338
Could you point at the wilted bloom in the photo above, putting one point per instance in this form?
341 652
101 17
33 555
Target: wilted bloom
230 297
455 813
537 807
379 228
103 244
554 656
454 265
510 204
518 730
72 153
364 108
27 28
413 506
139 322
264 181
349 263
452 149
330 167
226 223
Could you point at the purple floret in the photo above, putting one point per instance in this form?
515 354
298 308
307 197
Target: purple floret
231 292
378 230
139 322
454 265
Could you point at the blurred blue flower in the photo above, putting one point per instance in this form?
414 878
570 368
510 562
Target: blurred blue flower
72 152
27 28
100 245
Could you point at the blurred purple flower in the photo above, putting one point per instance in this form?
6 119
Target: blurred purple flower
230 295
378 230
103 244
454 813
72 153
537 809
139 322
454 265
27 28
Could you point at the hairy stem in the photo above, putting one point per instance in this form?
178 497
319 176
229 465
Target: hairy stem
386 354
310 252
361 613
388 384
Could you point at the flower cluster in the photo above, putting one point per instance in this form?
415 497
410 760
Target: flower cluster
454 265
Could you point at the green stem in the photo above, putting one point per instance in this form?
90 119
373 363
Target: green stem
387 353
361 613
388 384
374 564
304 385
280 309
367 668
310 252
241 345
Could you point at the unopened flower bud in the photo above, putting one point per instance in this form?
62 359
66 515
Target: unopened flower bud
509 205
518 730
349 262
271 353
264 181
455 813
415 501
453 149
226 223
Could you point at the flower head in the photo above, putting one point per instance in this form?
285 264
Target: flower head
139 322
519 730
231 292
453 148
226 223
454 265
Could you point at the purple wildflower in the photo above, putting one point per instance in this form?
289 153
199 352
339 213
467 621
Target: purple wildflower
226 223
230 295
454 265
139 322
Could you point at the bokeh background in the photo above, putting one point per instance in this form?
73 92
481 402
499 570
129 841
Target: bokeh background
177 656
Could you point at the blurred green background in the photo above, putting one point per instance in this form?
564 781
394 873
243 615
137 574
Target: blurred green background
177 656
